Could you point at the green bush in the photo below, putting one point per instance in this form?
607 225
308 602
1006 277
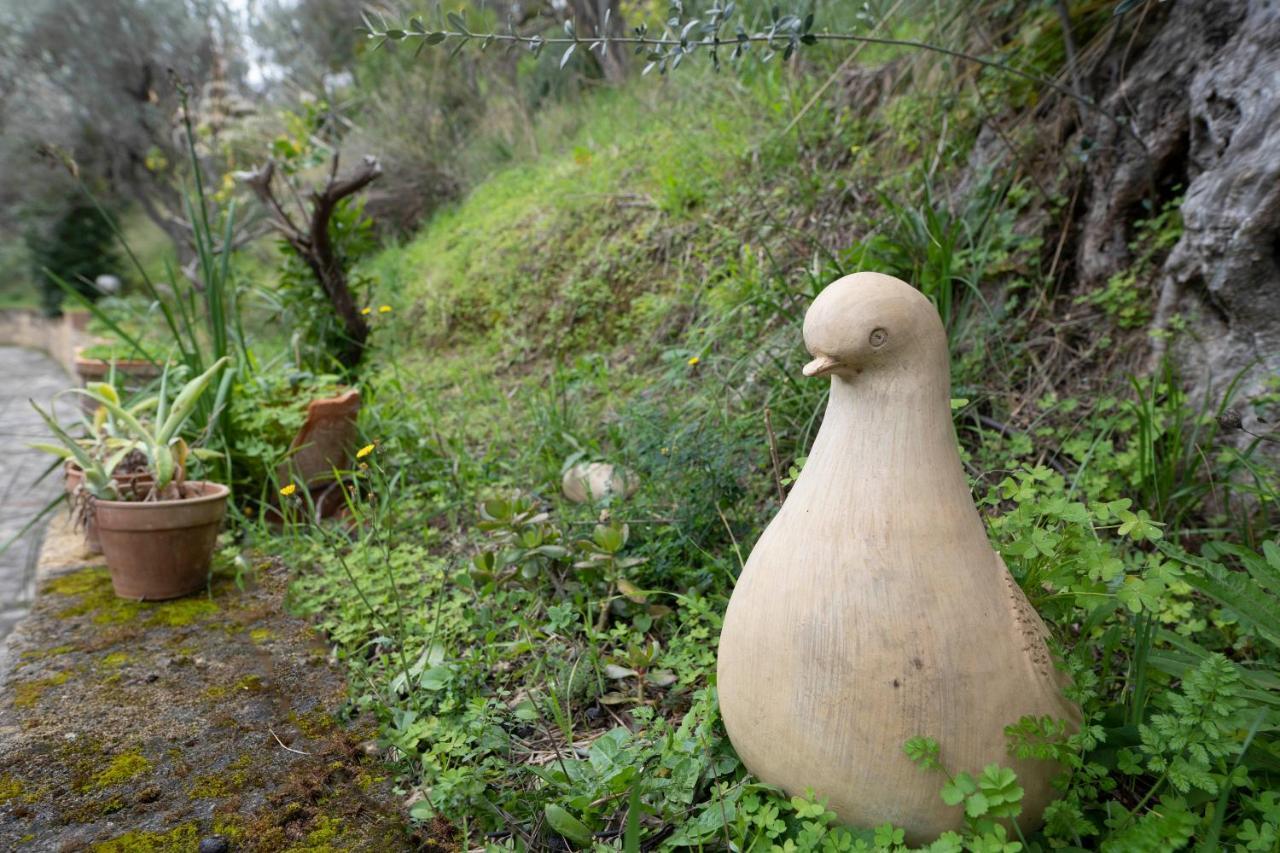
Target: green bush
79 248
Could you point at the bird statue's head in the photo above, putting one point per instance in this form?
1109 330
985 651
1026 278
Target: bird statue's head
871 322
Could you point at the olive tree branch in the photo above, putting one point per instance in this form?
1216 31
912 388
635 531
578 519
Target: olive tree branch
784 35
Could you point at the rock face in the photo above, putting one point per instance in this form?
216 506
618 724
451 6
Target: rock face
1200 86
1225 271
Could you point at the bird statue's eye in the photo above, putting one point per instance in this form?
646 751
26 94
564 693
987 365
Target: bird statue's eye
878 337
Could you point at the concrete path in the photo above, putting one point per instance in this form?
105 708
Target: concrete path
24 374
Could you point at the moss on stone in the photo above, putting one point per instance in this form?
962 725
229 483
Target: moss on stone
28 693
229 828
229 780
315 723
322 838
94 595
9 788
121 768
77 583
37 794
250 684
77 783
181 839
182 611
90 810
45 654
91 589
365 780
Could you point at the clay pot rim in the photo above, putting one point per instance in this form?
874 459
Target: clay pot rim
83 360
341 394
216 493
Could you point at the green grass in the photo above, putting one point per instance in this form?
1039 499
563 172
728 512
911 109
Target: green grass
551 250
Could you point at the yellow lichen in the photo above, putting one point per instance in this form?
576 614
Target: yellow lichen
94 595
116 659
27 693
9 788
182 838
260 635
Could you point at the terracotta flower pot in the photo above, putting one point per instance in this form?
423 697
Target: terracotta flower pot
133 374
97 369
325 441
161 549
134 484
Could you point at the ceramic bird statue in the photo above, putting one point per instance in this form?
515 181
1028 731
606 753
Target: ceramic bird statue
873 608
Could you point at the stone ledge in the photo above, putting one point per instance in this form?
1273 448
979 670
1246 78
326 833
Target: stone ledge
149 726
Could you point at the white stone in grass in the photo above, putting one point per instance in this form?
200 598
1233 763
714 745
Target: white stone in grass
594 481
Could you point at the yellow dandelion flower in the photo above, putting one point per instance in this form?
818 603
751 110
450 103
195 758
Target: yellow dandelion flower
364 451
365 311
694 361
384 309
288 490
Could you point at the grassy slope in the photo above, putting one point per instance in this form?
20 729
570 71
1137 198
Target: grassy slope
627 248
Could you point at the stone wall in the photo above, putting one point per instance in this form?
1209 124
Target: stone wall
56 336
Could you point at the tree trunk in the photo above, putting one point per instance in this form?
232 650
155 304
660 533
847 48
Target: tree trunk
313 245
589 19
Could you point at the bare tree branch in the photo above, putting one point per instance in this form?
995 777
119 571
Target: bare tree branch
313 245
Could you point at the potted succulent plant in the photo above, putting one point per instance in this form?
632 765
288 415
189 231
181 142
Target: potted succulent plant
158 541
103 438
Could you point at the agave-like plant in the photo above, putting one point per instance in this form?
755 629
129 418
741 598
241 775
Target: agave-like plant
159 439
97 456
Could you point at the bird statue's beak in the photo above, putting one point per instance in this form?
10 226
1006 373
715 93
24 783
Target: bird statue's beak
820 366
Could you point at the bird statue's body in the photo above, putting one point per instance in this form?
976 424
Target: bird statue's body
873 608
